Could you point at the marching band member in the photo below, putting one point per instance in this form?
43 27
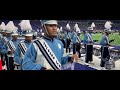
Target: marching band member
11 45
63 39
46 53
24 44
15 42
76 40
88 40
8 30
76 43
67 40
105 42
67 37
3 34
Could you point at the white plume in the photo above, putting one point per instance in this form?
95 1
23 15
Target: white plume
76 25
25 25
93 24
61 29
11 27
68 26
108 25
2 26
77 29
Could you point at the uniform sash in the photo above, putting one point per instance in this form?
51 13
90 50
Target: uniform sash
23 48
5 39
77 37
48 54
11 46
90 38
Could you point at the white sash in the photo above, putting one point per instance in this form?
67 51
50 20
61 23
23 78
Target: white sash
1 36
69 37
107 40
5 39
23 48
90 38
48 54
11 45
77 37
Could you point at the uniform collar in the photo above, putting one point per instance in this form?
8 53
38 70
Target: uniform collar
27 41
48 38
14 40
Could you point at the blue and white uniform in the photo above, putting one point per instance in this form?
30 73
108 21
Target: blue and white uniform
104 41
34 60
87 38
18 55
24 44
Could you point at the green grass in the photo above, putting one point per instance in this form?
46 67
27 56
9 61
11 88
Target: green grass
98 37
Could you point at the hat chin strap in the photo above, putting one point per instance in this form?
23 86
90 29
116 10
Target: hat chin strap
46 30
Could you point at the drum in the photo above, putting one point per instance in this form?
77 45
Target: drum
96 51
115 54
